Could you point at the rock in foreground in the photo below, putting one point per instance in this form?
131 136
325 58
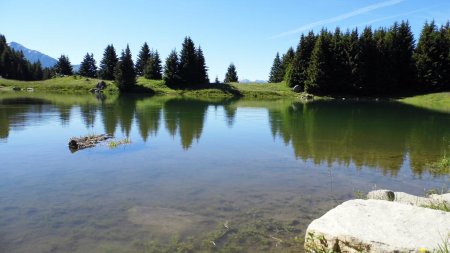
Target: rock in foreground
378 226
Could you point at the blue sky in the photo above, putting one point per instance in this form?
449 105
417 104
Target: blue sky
245 32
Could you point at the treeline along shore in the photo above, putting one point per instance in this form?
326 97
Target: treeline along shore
386 61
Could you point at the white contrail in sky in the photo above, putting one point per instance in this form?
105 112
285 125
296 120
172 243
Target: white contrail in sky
339 18
393 16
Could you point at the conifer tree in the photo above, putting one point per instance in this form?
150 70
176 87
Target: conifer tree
276 72
341 71
231 75
172 69
188 63
286 61
297 72
153 67
3 44
352 50
37 71
366 75
125 76
400 50
383 79
48 73
444 45
321 66
202 70
432 58
88 66
6 63
63 67
108 63
143 58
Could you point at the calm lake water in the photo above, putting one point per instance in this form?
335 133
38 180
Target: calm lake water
199 175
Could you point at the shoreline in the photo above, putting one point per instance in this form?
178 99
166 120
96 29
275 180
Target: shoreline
80 85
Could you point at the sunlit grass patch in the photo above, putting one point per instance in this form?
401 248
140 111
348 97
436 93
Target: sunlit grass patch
442 206
441 167
114 144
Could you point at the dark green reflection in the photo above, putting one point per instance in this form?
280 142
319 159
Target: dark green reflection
380 135
187 116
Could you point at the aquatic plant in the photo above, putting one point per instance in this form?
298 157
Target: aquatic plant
442 206
114 144
440 167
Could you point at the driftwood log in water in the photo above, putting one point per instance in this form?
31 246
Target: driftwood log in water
87 141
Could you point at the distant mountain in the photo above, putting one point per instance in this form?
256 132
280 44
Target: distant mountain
76 68
249 81
33 55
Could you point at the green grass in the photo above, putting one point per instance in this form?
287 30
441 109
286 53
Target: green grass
443 206
66 85
435 101
78 84
249 90
114 144
441 167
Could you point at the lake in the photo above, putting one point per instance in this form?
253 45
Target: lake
206 175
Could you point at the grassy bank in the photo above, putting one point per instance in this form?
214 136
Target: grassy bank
66 85
77 84
80 85
251 90
435 101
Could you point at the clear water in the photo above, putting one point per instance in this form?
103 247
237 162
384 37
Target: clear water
199 175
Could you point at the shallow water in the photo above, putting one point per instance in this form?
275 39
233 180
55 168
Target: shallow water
217 175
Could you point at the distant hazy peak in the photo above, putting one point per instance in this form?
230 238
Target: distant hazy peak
33 55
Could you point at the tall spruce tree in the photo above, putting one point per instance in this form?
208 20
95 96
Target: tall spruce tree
6 63
276 72
382 67
320 78
202 70
341 71
366 76
38 73
297 72
286 61
352 50
172 69
63 66
153 67
444 45
231 75
108 63
188 63
432 58
400 42
125 75
88 67
143 58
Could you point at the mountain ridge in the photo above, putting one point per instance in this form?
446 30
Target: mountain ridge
33 55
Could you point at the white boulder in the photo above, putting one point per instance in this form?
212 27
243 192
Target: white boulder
378 226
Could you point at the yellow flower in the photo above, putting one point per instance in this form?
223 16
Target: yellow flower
423 250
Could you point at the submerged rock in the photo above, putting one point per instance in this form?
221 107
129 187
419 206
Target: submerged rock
378 226
164 220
